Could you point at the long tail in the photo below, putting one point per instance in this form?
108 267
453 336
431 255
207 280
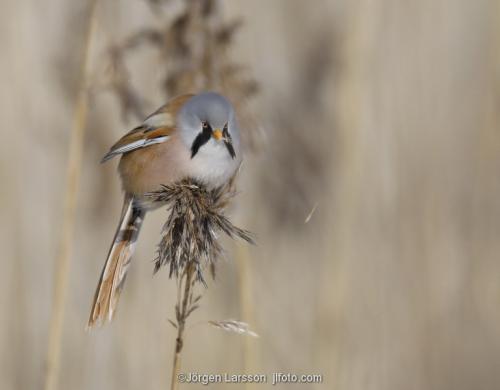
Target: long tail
115 269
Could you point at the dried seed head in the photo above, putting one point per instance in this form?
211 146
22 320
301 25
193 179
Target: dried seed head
234 327
190 234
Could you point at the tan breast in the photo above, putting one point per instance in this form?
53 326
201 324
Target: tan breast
145 170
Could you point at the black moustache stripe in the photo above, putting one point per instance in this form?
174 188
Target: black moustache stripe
230 149
228 142
200 140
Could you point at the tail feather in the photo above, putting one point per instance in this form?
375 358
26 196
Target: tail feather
115 269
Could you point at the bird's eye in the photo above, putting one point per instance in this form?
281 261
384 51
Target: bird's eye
204 125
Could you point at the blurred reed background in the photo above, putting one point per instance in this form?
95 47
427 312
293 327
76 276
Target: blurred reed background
384 114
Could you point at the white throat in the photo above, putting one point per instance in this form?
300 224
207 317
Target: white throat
213 165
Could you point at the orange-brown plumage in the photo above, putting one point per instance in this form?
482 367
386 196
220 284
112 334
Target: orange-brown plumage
160 152
145 170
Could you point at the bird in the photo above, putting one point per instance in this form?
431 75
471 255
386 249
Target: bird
192 136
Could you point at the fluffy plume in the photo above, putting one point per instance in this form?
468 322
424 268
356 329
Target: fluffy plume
234 326
190 234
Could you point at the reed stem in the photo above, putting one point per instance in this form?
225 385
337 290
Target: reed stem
182 312
61 266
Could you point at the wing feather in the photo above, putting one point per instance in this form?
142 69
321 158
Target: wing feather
139 138
157 128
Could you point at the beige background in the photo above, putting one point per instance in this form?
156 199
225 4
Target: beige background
383 113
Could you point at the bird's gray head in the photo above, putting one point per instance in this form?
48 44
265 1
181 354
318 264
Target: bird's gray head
208 125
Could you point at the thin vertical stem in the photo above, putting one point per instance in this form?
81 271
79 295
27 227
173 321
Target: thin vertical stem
72 178
182 313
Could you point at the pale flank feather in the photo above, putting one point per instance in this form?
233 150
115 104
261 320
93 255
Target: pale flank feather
116 266
134 145
140 137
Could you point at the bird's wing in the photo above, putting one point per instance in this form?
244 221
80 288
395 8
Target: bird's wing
156 128
140 137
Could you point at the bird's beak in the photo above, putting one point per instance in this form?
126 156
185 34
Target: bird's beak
217 134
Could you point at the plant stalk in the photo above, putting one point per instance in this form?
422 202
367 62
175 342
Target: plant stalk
61 265
184 299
